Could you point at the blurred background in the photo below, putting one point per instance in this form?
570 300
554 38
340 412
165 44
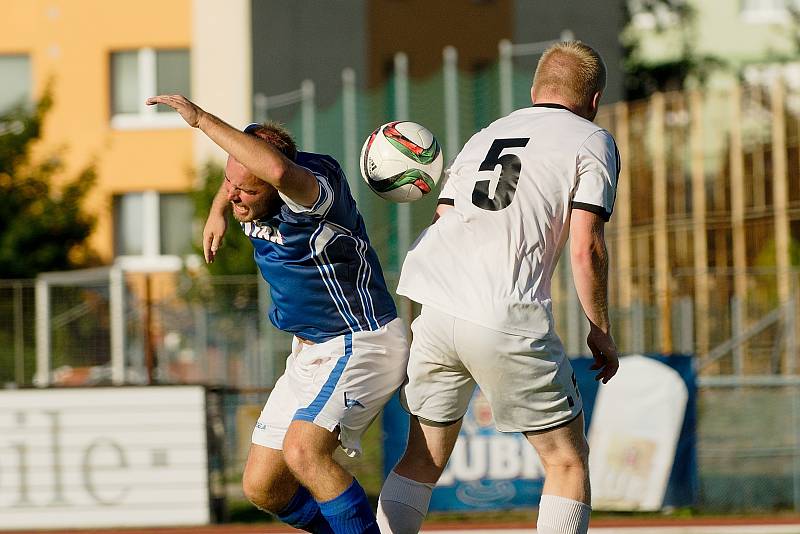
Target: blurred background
102 199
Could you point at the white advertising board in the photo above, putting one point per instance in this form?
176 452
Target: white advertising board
103 457
635 427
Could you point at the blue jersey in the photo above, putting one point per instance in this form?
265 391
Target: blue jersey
324 276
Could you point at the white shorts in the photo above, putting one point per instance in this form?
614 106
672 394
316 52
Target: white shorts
528 382
343 382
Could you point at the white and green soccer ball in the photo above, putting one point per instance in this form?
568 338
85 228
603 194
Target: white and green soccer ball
401 161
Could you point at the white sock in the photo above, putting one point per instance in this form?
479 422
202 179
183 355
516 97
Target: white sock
559 515
402 505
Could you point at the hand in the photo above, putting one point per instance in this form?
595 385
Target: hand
187 109
215 228
604 351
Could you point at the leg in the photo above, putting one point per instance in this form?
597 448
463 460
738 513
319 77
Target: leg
566 496
428 449
405 495
267 481
308 450
439 388
269 485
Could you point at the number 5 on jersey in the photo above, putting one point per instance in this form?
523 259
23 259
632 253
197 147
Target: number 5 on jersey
509 175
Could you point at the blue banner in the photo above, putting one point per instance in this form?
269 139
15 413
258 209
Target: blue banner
489 470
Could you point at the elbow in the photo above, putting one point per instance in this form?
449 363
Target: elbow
594 254
277 173
582 256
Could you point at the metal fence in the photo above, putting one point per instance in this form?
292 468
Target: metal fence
749 444
197 329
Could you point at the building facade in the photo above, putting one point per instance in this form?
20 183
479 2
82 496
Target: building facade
100 60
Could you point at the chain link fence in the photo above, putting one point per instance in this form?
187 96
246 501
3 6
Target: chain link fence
213 331
749 445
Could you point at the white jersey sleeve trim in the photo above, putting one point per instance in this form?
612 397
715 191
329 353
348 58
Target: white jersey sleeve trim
322 204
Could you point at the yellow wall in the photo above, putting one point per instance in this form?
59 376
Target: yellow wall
69 42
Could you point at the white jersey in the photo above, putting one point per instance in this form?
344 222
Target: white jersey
490 259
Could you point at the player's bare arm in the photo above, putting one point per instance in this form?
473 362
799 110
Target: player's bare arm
260 158
216 224
589 258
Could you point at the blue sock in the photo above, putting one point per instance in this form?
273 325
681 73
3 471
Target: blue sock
350 512
303 512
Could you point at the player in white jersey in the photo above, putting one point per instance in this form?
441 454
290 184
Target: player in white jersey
514 194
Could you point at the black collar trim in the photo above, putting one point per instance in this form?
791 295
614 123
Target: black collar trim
551 105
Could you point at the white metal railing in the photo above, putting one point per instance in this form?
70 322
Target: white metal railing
507 51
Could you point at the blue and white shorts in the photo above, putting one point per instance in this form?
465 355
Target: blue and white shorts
343 382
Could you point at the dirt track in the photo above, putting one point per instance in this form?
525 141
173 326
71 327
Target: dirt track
666 525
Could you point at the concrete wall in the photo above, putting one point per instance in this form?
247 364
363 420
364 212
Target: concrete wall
313 39
422 29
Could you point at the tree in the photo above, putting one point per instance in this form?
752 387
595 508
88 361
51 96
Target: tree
42 228
643 77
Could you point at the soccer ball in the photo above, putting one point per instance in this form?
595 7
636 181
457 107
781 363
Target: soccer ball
401 161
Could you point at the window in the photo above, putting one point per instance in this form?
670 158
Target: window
153 224
15 71
137 74
768 11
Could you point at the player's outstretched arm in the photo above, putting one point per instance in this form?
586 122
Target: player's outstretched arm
590 272
260 158
216 224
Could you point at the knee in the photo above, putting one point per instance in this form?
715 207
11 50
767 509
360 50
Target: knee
300 453
575 458
264 496
421 466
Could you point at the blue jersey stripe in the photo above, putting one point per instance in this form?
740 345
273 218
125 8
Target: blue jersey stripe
340 291
364 276
310 412
330 283
360 278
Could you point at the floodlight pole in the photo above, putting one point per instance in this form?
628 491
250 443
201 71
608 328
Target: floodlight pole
404 209
307 94
117 325
42 376
349 121
450 56
401 114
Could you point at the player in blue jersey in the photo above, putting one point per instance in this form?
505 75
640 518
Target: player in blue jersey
349 351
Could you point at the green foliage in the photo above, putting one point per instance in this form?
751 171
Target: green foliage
235 256
642 77
766 256
42 228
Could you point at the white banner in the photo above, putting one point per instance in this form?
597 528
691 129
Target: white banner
100 457
635 427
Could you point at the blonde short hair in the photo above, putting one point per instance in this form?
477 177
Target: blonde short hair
572 69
